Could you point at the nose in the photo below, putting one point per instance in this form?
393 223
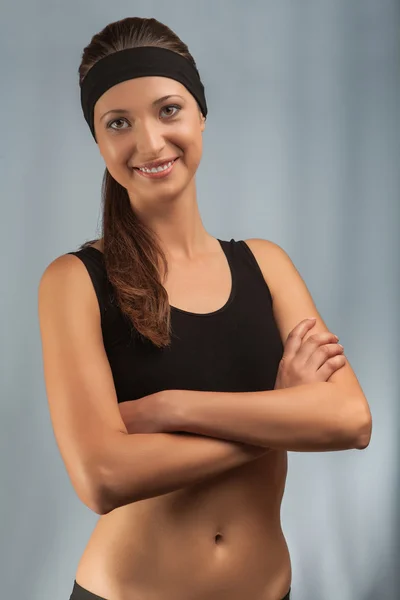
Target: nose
149 140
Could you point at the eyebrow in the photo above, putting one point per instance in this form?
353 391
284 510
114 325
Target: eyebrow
124 111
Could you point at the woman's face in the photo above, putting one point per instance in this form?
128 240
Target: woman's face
147 130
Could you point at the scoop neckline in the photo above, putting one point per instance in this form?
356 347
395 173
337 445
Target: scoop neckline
214 312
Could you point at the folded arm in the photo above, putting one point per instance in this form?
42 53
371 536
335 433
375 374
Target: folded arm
304 418
326 415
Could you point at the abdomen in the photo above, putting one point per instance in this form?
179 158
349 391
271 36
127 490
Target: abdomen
220 537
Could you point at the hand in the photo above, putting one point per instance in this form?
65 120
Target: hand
146 414
314 360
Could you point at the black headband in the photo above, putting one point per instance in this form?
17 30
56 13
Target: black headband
138 62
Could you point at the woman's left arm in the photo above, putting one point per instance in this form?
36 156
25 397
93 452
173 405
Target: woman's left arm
337 407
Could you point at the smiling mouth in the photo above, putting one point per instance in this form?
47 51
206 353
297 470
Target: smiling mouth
150 169
157 174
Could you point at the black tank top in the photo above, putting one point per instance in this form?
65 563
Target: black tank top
236 348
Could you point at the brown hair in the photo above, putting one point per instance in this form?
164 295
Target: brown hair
132 254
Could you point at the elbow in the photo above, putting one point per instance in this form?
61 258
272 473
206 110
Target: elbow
354 427
96 508
98 494
364 432
103 498
94 497
99 478
109 489
362 429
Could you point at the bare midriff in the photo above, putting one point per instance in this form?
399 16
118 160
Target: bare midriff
217 540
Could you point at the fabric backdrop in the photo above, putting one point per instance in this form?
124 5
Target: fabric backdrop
301 147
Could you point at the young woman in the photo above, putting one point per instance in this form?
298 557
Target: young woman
180 368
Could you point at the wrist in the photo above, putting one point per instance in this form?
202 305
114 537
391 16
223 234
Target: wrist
172 410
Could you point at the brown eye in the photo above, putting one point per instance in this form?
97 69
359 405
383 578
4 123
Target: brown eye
115 121
172 106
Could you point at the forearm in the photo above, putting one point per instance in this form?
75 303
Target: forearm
139 466
305 418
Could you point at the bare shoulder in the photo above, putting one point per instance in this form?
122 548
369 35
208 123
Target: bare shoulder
67 274
270 257
292 301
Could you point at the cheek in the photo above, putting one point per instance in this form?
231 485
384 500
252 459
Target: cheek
115 154
190 139
197 148
116 162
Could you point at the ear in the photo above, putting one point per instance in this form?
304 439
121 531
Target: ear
203 123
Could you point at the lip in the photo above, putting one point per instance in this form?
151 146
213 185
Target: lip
155 163
160 174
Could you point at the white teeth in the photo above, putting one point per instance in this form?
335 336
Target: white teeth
156 169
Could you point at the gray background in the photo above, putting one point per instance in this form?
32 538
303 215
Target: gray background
302 148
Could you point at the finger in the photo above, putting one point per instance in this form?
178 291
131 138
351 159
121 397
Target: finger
313 343
295 338
324 353
331 365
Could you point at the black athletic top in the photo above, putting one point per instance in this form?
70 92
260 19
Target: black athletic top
236 348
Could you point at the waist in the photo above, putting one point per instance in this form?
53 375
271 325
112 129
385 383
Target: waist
244 558
216 537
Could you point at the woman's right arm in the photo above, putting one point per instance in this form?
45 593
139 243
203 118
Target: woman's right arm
148 465
107 467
